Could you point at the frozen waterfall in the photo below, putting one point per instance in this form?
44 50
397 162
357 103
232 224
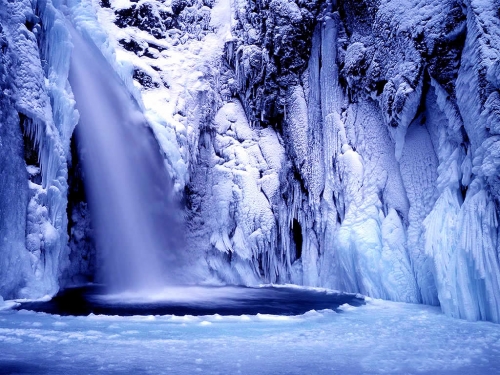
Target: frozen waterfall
128 187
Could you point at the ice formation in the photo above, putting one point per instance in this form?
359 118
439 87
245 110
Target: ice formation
38 106
350 145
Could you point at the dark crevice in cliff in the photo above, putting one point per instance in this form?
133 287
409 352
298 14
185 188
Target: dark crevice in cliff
81 240
297 238
31 149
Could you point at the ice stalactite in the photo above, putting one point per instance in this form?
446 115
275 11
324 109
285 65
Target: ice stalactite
242 168
36 32
462 230
352 180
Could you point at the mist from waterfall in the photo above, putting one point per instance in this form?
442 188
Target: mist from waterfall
136 220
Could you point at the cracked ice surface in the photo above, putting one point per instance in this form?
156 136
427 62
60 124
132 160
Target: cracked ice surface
380 337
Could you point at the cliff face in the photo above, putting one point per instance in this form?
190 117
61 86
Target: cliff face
36 125
349 145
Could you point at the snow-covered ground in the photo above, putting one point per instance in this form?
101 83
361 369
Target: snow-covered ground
380 337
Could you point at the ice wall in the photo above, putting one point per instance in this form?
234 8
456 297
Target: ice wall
35 54
391 133
13 182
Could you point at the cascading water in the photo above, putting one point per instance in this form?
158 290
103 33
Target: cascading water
128 187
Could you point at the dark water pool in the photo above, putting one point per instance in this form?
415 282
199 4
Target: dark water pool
194 300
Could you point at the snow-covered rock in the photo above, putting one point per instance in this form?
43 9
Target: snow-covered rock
36 51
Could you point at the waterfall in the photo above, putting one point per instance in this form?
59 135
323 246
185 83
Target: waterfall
136 220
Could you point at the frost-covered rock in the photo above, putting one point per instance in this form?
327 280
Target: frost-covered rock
41 105
235 188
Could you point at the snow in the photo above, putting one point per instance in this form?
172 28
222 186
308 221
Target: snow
380 337
7 305
41 96
181 70
242 186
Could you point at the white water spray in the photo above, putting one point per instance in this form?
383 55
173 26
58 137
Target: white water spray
127 185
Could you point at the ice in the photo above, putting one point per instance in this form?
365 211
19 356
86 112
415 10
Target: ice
287 9
381 337
47 118
243 184
6 305
358 152
297 134
13 202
